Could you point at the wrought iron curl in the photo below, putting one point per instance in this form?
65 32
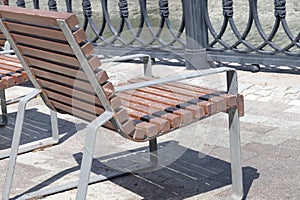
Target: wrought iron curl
227 8
87 8
52 5
280 8
21 3
123 7
163 8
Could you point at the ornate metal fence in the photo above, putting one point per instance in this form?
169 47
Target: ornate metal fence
195 34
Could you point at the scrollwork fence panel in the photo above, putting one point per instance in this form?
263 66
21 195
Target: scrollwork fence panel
194 35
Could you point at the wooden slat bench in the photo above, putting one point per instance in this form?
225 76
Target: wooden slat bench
67 75
11 74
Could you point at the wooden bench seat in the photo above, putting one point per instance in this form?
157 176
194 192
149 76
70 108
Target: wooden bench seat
171 105
11 73
69 78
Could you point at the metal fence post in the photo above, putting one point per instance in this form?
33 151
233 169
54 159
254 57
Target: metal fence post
196 34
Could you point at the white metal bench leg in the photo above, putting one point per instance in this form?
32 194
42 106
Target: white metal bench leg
16 142
88 151
235 154
54 126
235 144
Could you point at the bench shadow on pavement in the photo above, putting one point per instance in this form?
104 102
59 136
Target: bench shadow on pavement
36 126
193 173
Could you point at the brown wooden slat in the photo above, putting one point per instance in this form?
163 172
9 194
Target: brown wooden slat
220 102
19 78
24 74
2 42
35 16
197 112
73 111
94 62
87 49
5 72
144 129
185 116
102 76
240 105
108 88
230 99
70 91
2 85
43 43
162 124
1 35
32 30
67 60
209 107
74 103
83 85
79 35
122 115
10 58
128 126
76 73
174 120
8 81
10 67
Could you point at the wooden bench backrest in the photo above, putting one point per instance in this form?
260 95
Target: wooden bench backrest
50 58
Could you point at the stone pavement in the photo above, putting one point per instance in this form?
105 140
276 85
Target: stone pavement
194 161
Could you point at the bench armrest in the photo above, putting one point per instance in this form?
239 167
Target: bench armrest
173 78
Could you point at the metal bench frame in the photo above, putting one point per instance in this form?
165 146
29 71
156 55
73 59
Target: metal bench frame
234 127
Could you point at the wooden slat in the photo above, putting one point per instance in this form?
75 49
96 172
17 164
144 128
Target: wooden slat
220 102
33 30
69 71
94 62
2 85
185 116
75 103
240 105
71 82
75 72
43 43
35 16
55 57
19 78
162 124
87 49
122 115
73 111
90 98
79 34
8 81
108 89
209 107
230 99
144 130
10 67
197 112
174 120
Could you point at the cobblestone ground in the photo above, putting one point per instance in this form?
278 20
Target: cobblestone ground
194 161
